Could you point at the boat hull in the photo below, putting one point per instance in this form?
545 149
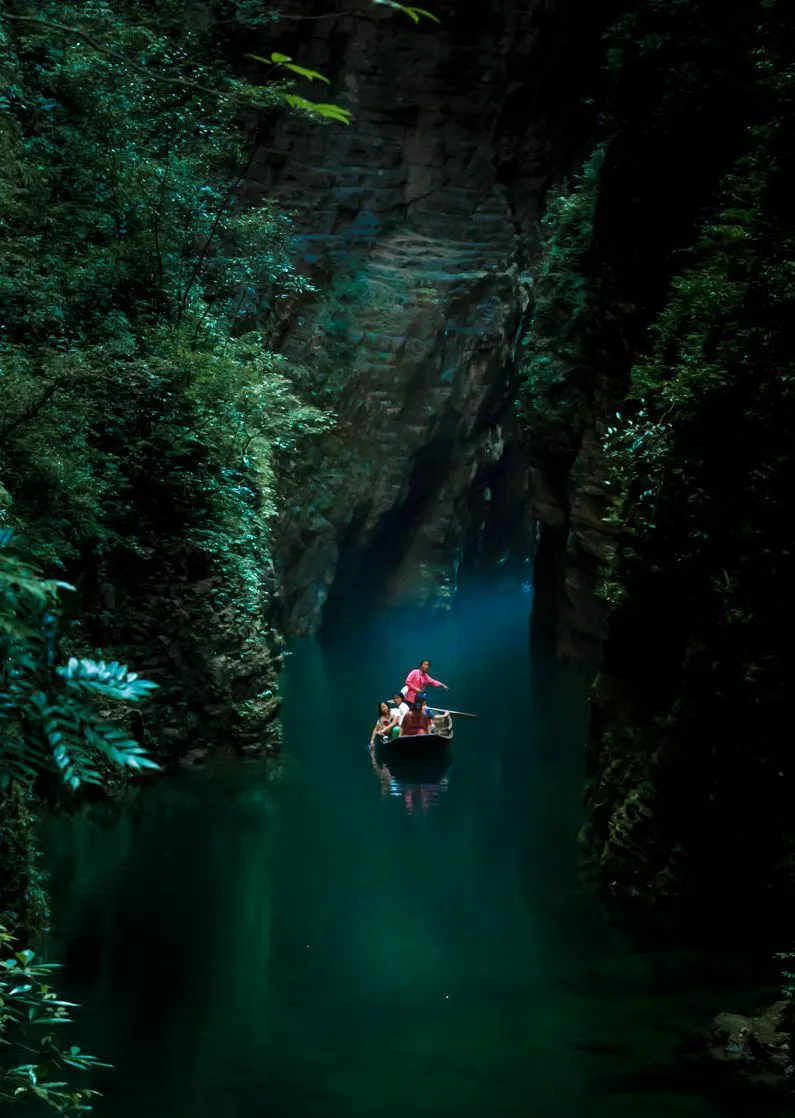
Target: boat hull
422 743
419 741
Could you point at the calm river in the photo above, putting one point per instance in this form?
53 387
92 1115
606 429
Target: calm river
322 938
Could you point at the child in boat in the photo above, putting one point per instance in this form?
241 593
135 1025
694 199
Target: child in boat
384 724
438 718
415 722
418 681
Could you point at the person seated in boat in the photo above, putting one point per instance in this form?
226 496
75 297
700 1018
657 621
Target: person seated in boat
425 708
418 682
437 717
399 707
385 722
415 722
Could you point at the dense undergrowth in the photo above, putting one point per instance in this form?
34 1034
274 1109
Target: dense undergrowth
667 295
142 416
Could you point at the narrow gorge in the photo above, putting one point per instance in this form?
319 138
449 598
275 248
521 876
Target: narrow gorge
329 326
419 225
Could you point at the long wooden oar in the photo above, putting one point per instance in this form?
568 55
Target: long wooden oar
460 713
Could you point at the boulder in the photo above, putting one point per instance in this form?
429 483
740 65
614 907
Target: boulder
758 1047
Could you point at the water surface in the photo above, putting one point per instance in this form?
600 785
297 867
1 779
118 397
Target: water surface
322 938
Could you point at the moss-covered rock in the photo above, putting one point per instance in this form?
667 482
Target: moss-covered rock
759 1047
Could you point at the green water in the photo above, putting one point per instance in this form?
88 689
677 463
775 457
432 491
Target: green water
325 939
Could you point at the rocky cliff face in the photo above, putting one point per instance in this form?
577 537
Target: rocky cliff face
420 220
672 293
219 691
570 501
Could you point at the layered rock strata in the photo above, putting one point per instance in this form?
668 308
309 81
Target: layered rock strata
419 220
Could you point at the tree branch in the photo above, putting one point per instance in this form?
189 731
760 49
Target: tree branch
289 16
33 410
325 15
156 230
199 264
80 34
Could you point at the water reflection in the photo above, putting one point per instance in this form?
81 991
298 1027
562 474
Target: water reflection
417 780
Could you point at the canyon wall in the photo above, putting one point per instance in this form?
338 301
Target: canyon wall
661 323
420 222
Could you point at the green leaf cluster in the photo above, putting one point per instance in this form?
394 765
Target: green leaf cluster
414 14
32 1060
56 720
554 363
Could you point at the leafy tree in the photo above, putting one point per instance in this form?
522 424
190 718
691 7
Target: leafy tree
145 418
144 415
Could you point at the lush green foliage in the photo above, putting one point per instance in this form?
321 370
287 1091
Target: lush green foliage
787 975
54 720
131 269
670 280
557 340
31 1060
703 472
144 418
62 724
147 423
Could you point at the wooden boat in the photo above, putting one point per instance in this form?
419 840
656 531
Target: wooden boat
423 743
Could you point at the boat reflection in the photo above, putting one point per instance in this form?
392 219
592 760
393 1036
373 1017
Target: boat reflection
418 779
